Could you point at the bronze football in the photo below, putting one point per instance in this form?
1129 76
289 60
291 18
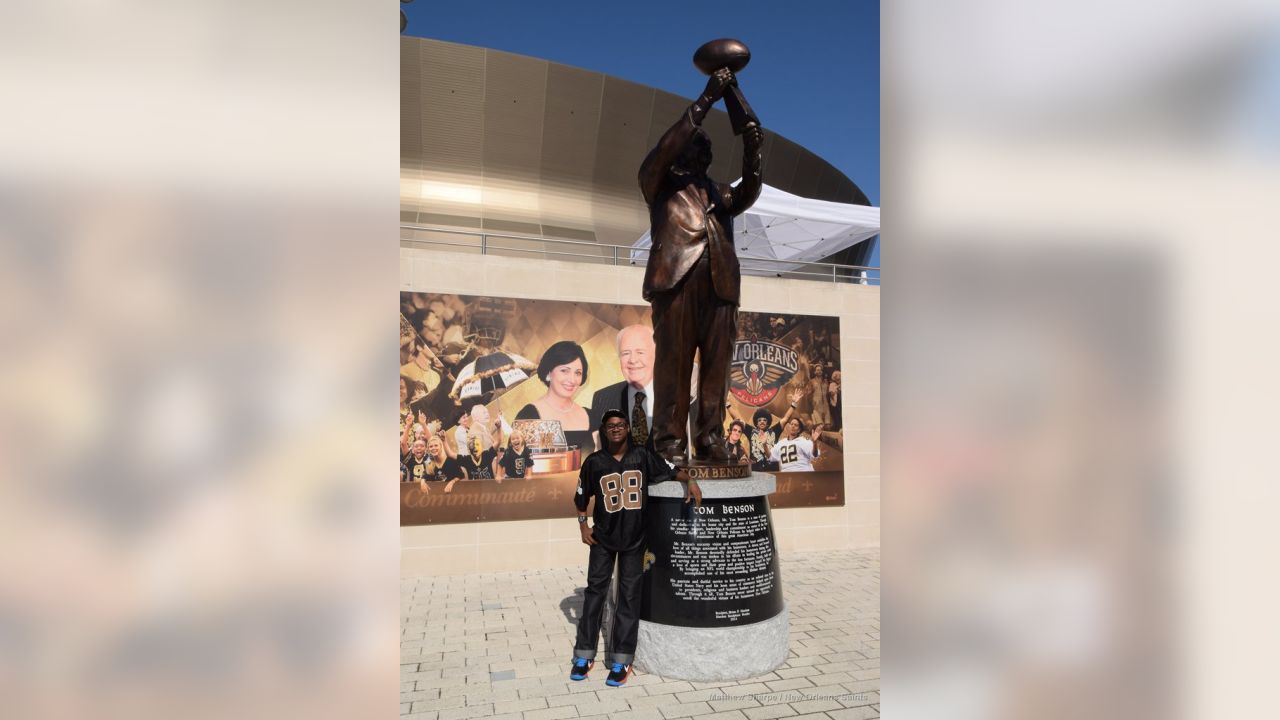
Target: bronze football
725 52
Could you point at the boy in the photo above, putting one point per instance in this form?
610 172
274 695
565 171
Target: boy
616 477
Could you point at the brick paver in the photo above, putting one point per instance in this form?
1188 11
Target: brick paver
499 644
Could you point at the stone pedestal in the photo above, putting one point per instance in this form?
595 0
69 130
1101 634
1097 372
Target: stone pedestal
712 605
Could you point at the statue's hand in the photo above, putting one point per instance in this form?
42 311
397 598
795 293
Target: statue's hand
753 136
717 83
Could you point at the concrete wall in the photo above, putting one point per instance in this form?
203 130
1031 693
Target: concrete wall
502 546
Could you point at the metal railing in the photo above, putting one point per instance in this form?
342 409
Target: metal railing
484 243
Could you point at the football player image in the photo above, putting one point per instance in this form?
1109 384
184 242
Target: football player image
796 452
617 478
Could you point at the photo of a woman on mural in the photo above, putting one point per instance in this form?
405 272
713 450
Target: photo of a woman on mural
440 467
563 369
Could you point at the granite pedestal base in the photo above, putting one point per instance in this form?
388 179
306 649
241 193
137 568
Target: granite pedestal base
730 652
708 654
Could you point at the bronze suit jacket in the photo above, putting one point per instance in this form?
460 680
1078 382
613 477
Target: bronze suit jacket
690 214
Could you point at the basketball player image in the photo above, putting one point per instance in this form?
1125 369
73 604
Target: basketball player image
796 452
617 478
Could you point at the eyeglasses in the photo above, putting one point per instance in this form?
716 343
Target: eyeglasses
615 425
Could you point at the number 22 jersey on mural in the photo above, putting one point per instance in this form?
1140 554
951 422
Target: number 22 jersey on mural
619 490
795 455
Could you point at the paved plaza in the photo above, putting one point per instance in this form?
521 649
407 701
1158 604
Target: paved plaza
500 645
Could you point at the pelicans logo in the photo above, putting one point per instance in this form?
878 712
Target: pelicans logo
759 370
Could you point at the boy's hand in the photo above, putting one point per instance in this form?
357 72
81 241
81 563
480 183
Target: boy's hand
588 537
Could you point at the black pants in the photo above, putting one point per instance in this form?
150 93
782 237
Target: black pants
626 618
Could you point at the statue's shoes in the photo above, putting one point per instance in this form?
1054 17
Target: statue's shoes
714 452
672 452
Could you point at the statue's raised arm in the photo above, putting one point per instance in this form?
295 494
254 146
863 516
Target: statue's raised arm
660 160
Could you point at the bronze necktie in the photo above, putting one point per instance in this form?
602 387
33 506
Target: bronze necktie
639 422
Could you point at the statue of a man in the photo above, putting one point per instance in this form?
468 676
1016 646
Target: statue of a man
692 279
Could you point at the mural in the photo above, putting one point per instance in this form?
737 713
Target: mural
499 398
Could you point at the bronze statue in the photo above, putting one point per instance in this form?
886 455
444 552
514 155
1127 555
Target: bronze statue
692 276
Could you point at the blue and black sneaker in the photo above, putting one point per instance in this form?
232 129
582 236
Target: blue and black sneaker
618 675
581 666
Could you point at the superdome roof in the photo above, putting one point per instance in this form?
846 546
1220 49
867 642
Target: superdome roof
496 141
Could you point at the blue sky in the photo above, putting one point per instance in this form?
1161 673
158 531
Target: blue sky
814 75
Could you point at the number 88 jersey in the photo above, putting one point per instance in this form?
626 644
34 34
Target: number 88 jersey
619 487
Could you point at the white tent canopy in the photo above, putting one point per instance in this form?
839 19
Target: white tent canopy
787 227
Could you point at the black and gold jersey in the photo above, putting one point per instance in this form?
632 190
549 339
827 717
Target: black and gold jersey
619 487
